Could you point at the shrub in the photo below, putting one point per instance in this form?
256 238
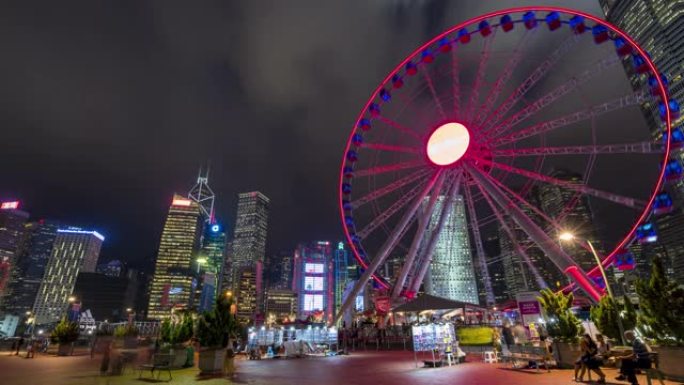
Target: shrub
127 330
662 306
475 336
177 332
65 332
216 327
561 322
605 316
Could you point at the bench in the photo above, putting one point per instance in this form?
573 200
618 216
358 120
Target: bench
159 362
526 353
654 371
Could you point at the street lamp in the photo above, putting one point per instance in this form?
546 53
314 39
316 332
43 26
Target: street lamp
568 236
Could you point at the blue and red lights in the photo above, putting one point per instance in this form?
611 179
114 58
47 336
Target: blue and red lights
553 20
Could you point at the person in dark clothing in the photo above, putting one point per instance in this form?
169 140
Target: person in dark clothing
19 345
507 334
639 359
590 360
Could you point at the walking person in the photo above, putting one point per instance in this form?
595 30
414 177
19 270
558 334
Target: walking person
591 360
107 350
20 343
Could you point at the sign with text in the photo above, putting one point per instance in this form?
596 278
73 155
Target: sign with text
530 309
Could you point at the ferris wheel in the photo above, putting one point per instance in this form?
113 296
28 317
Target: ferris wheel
483 116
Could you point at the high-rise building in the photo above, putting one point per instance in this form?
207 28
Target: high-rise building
451 274
278 270
313 280
108 297
113 268
212 258
251 225
281 303
174 280
249 293
30 268
497 273
573 213
341 262
74 251
227 274
658 26
11 232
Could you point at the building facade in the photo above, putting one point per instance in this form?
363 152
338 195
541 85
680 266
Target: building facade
281 304
12 222
658 26
174 280
108 297
313 280
251 227
249 293
451 273
30 268
74 251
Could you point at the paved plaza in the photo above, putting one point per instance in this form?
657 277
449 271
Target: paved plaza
367 368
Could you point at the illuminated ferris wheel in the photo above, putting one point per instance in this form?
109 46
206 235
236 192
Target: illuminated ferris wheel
483 114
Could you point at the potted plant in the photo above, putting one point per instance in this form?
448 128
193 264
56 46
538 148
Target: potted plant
215 331
174 334
562 325
64 334
661 305
129 334
605 316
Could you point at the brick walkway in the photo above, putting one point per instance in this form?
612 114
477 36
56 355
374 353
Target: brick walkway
361 368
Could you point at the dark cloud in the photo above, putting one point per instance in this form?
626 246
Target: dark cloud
107 108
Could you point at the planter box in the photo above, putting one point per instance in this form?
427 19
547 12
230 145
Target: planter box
63 349
180 356
212 361
566 354
670 361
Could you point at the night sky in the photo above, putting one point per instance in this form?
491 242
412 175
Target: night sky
107 108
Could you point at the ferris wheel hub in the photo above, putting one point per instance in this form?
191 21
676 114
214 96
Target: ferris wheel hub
448 143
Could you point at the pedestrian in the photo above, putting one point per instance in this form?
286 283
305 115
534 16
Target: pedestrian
507 334
19 345
104 366
14 347
30 349
590 359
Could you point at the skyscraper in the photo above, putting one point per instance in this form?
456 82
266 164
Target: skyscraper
341 262
30 268
74 250
497 274
658 26
313 280
251 225
174 281
11 232
249 292
451 274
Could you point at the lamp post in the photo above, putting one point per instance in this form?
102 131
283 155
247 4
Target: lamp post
566 236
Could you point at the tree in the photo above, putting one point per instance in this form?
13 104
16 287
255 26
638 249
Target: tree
215 328
662 306
177 332
605 316
561 322
65 332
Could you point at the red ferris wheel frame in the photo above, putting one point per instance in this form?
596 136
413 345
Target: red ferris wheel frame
662 91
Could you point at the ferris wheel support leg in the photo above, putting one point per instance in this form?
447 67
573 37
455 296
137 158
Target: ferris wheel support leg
417 240
426 257
552 250
387 247
479 248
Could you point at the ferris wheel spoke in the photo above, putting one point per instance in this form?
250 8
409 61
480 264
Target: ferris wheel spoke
527 84
398 205
575 117
514 241
392 238
552 96
423 262
389 168
399 183
479 248
455 83
391 148
563 261
423 221
398 127
611 197
502 80
431 85
481 67
627 148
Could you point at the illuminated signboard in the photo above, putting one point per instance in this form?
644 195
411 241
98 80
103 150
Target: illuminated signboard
9 205
181 202
76 230
313 302
215 228
316 268
175 290
313 283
